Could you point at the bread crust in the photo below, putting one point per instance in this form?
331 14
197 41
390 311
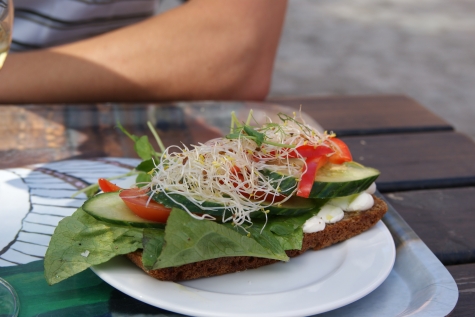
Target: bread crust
352 224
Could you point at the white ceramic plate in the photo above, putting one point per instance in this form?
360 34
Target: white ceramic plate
315 282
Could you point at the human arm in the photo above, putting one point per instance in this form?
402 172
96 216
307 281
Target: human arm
204 49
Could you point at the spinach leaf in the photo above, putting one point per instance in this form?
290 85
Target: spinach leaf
291 241
146 166
189 240
288 230
143 179
152 241
286 225
81 241
262 236
143 148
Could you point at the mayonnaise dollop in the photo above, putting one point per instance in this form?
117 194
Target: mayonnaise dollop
371 189
333 211
331 214
327 214
358 202
314 224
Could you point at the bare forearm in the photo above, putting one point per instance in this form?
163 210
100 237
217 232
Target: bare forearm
202 50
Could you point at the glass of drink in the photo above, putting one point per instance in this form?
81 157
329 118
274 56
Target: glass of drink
9 303
6 23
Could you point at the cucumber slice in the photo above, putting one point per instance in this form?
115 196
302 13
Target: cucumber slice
333 180
294 206
342 180
110 208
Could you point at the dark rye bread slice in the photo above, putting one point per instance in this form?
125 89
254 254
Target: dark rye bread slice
351 225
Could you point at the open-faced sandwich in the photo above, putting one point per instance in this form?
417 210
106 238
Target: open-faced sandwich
255 197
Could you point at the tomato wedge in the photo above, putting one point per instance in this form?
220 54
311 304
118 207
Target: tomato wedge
342 152
138 201
107 186
307 179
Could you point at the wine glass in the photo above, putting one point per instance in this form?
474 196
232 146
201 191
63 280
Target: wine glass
9 303
6 24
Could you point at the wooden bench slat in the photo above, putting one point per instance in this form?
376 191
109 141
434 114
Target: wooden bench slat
362 115
443 219
410 161
464 276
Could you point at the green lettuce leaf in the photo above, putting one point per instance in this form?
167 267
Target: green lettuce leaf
81 241
291 241
283 226
153 240
189 240
262 236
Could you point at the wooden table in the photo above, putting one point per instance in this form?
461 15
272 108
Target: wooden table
427 168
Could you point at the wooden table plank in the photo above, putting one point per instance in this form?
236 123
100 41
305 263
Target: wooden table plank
464 276
362 115
443 218
409 161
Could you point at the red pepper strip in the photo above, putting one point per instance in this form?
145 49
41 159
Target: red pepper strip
307 179
342 152
311 151
304 151
107 186
316 158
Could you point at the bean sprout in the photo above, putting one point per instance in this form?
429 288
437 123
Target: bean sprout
229 172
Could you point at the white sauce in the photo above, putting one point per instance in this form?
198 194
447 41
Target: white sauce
314 224
333 211
371 189
358 202
331 214
362 202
